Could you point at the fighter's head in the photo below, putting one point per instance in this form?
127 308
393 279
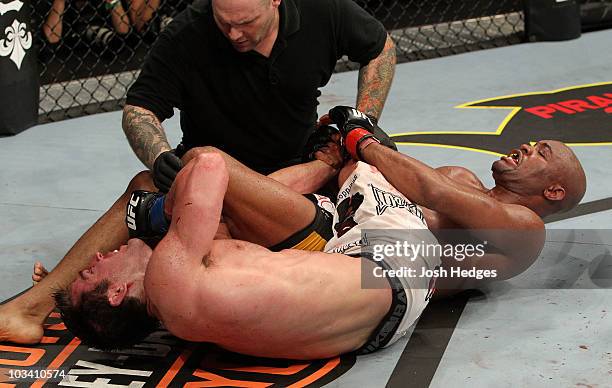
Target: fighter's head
105 306
547 176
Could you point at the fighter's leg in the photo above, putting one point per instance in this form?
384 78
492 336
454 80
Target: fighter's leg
258 208
21 319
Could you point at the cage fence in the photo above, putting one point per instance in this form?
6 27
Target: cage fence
90 52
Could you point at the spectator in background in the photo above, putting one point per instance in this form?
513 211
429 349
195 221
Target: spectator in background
137 15
53 26
141 12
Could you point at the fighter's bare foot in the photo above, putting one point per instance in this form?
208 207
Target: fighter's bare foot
39 272
17 326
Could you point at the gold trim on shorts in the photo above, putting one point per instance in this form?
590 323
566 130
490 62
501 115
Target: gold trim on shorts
314 243
314 236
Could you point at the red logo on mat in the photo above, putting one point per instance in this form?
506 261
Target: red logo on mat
577 115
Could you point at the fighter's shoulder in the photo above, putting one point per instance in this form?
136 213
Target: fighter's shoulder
524 218
461 175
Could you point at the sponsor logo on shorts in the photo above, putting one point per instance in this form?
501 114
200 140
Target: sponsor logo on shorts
387 200
348 247
346 214
325 203
346 192
392 323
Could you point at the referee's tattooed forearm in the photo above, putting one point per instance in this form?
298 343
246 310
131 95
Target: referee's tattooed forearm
144 133
375 81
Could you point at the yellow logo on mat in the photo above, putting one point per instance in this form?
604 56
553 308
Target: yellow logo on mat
577 115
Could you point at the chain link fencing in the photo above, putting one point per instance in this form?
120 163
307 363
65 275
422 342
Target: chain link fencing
90 51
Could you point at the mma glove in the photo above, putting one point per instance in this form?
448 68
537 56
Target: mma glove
165 168
358 130
145 217
319 138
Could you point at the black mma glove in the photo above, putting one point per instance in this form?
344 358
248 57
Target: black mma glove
145 217
317 140
362 126
165 168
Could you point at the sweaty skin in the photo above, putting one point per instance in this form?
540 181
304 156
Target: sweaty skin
437 221
231 292
527 189
507 264
245 298
295 304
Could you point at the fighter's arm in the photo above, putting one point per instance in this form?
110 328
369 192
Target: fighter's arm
484 216
325 157
144 133
175 273
309 177
196 200
194 204
375 80
305 178
428 187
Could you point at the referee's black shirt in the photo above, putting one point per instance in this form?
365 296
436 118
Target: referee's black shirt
259 110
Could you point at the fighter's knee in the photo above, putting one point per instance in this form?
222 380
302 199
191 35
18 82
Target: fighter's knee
141 181
210 160
194 152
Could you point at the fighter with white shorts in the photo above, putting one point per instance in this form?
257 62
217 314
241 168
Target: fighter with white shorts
369 211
